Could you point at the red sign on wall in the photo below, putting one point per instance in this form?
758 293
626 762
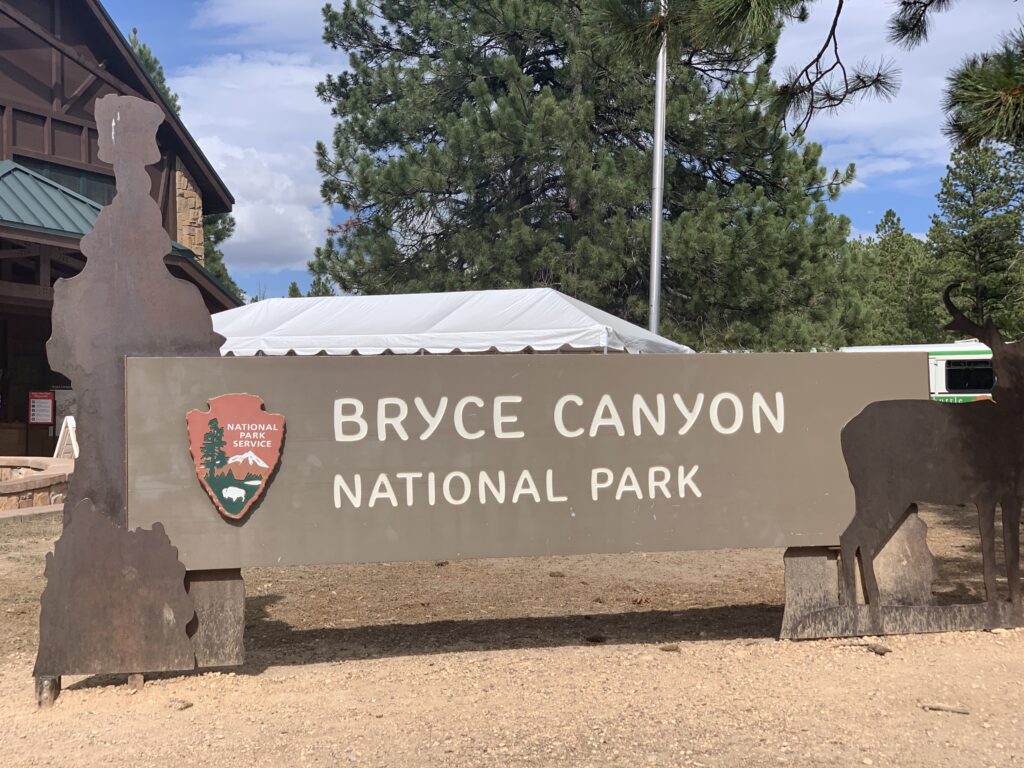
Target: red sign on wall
40 407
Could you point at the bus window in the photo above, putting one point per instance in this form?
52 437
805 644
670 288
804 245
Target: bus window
969 376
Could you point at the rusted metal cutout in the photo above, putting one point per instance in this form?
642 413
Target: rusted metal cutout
114 602
900 453
123 302
236 446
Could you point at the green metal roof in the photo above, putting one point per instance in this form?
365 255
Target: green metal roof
31 201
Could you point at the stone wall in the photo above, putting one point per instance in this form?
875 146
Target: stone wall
27 482
189 211
40 497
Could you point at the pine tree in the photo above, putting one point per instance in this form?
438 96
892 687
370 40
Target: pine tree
152 67
976 238
320 286
212 449
492 146
902 286
294 292
217 227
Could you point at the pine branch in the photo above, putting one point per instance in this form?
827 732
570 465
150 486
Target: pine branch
908 26
984 97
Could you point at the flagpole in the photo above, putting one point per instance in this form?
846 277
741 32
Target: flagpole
658 183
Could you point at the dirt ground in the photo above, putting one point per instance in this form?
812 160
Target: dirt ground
631 660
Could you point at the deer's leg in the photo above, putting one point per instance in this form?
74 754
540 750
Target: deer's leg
872 595
1011 545
848 562
987 526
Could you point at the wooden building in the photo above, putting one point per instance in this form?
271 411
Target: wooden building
56 58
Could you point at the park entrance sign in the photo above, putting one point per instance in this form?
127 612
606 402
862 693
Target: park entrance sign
194 466
430 457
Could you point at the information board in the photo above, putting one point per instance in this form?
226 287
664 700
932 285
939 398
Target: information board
40 407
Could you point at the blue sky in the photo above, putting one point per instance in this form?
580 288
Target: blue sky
245 71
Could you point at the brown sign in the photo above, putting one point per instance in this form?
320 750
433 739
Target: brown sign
394 458
236 446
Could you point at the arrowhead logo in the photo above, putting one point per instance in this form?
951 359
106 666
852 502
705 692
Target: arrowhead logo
236 446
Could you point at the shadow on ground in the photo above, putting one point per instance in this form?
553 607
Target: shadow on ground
271 642
954 538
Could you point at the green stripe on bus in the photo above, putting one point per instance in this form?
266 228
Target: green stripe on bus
960 398
961 353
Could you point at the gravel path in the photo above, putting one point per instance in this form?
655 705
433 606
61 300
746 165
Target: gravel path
663 660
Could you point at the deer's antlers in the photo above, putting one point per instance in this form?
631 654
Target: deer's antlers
987 333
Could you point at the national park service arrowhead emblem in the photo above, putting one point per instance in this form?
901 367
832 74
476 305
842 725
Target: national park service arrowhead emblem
236 446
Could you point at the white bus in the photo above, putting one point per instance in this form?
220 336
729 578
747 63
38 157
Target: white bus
960 372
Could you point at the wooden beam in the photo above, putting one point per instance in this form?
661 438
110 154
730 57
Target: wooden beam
17 235
78 93
103 170
14 254
54 255
199 277
67 260
11 264
8 129
161 195
56 61
34 109
24 291
28 25
44 270
24 250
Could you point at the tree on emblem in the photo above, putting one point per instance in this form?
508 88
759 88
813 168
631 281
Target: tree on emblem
213 449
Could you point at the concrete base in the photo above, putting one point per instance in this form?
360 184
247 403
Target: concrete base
217 632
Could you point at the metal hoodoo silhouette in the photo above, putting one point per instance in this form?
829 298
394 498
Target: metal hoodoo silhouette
116 601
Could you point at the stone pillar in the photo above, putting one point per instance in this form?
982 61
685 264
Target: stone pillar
189 206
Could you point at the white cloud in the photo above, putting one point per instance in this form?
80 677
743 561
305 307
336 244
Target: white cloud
257 118
294 25
888 139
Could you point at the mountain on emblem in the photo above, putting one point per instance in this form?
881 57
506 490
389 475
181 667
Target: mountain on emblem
250 458
236 446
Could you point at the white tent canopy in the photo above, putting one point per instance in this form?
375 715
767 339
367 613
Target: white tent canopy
535 319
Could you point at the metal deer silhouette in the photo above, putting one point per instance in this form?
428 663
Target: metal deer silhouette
903 452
